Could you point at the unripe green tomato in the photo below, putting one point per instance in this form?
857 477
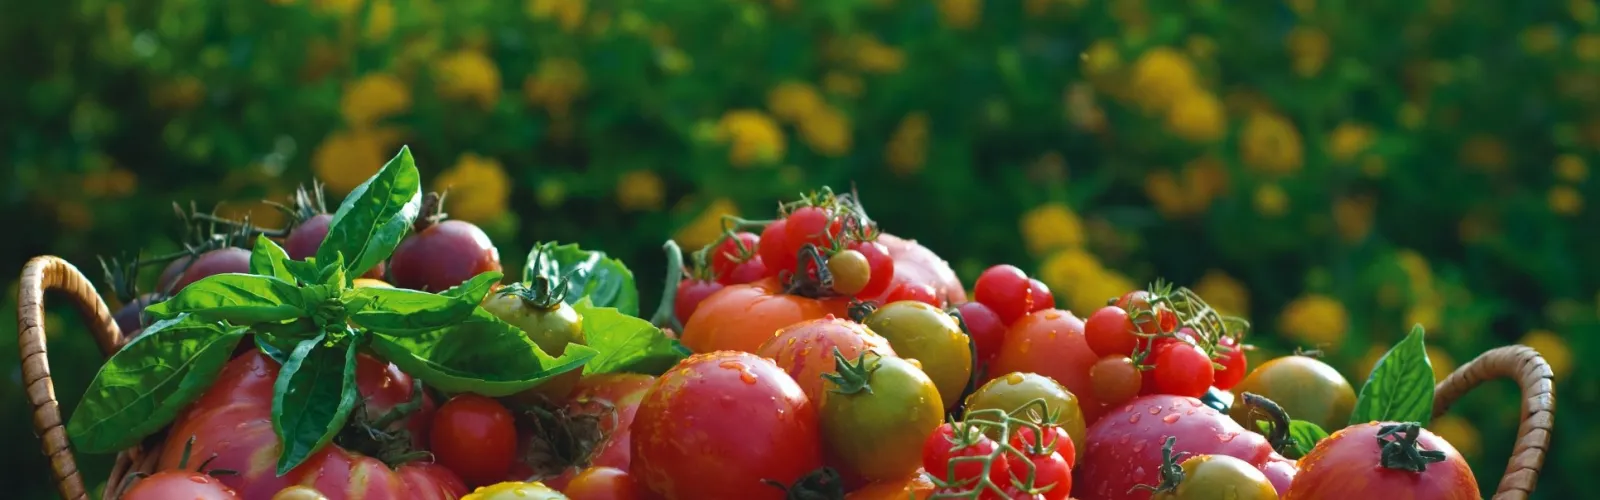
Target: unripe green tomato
1014 390
879 434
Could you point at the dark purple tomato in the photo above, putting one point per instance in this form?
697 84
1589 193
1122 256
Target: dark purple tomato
130 317
441 256
307 236
220 261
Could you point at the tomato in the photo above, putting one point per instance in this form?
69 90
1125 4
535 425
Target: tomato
515 490
813 225
922 332
914 263
476 437
1050 474
914 487
602 483
1055 439
1125 448
299 493
985 328
1355 452
1110 332
745 272
1234 365
1305 387
612 395
130 317
442 255
1137 302
1207 477
734 251
775 248
1051 343
232 421
691 292
1004 288
306 237
952 441
172 484
1014 390
915 292
850 272
547 321
805 350
880 265
179 273
1182 369
718 424
1040 296
1115 379
741 317
876 412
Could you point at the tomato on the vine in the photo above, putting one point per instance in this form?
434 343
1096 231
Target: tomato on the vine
985 328
691 292
741 317
879 263
1109 332
170 484
1231 356
776 250
1182 369
1005 289
1040 296
1015 391
945 456
614 397
1051 474
805 350
916 292
731 252
745 272
810 225
914 263
476 437
850 272
1056 438
1116 379
1391 458
1139 305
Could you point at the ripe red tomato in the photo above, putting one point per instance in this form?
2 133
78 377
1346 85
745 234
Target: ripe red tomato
1182 369
441 256
718 424
1051 473
985 328
915 487
476 437
1110 332
882 266
745 272
1041 297
1124 448
914 263
733 251
1355 451
1004 288
1139 300
176 275
602 483
691 292
1051 343
812 225
951 441
1055 439
741 317
915 292
1234 364
775 248
307 236
232 421
171 484
805 350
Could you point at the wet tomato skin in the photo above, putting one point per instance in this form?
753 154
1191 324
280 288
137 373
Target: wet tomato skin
1207 477
1051 343
1353 452
179 484
741 317
615 398
718 424
805 349
914 263
441 256
691 292
476 437
219 261
602 483
1124 446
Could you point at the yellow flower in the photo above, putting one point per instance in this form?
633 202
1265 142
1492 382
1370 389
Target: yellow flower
1583 11
1352 216
372 98
478 189
1051 226
468 75
556 84
1459 433
1066 269
1564 200
1270 200
1101 58
1225 294
755 136
907 150
259 212
1197 116
1169 197
641 190
1571 168
844 84
961 14
1484 151
1416 267
707 226
346 159
1348 140
112 181
1093 291
1315 320
1587 46
1309 48
1411 115
793 101
827 131
1540 39
873 56
569 13
1162 74
1554 350
1426 312
1270 144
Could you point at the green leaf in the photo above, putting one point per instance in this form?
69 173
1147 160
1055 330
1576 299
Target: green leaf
375 216
312 398
1400 388
607 282
1303 436
267 259
304 271
475 289
241 299
482 355
626 343
401 312
333 273
144 385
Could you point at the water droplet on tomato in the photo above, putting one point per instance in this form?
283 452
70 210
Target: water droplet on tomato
1170 418
791 341
198 479
1139 471
1133 419
1014 378
1052 316
1227 437
1138 447
1155 410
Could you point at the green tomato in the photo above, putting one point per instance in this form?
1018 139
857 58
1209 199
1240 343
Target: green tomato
930 336
1215 477
1012 391
1305 387
876 414
512 490
552 328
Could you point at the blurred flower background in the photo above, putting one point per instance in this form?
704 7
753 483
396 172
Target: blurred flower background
1333 171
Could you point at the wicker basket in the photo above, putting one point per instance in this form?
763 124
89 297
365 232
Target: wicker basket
1519 363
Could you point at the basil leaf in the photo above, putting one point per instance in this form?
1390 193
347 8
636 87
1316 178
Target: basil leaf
240 299
376 215
401 312
267 259
277 340
1306 435
626 343
1400 388
144 385
481 354
312 398
333 274
607 282
475 289
273 351
304 271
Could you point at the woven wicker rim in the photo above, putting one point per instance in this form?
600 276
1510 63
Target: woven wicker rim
48 273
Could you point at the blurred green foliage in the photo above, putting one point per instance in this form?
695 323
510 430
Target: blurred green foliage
1335 171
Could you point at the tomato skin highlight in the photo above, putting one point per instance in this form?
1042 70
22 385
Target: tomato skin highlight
1004 288
476 437
717 424
914 263
179 484
1124 447
1353 452
602 483
805 350
726 256
1234 363
741 317
916 292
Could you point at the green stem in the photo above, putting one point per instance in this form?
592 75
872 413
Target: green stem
664 317
1278 436
1401 452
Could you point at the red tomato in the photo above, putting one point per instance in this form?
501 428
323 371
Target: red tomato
1355 451
691 292
914 263
441 256
810 225
1138 301
1050 473
1040 296
985 328
1004 288
950 442
1182 369
745 272
1124 448
1051 343
602 483
805 350
1109 332
615 394
916 292
179 273
741 317
775 248
232 421
732 252
476 437
718 424
1055 439
881 264
1234 365
1116 380
179 484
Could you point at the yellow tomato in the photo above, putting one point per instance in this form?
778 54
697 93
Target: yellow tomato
513 490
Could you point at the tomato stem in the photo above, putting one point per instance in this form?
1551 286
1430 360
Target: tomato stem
1400 450
1171 471
664 317
851 378
1278 435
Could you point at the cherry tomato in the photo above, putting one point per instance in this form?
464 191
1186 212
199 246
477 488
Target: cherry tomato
881 266
1219 476
915 292
1040 295
810 225
914 263
1139 300
952 441
475 437
1355 452
805 350
1110 332
180 274
441 256
985 328
1116 380
776 250
1051 343
1005 289
1305 387
741 317
932 337
1056 439
602 483
171 484
1183 369
1051 473
734 251
745 272
851 272
614 397
1125 447
691 292
1234 364
1013 391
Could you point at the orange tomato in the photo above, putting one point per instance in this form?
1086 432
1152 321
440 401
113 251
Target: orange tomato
916 487
805 349
1051 343
741 317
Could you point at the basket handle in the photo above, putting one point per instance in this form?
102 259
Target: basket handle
1530 371
40 275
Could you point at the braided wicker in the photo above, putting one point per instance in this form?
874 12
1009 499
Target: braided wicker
1519 363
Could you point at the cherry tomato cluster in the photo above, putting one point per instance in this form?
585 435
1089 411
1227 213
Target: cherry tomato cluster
1027 459
1152 342
1001 296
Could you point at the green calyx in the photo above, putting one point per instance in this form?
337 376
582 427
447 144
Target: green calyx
851 378
1398 443
1171 471
545 290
